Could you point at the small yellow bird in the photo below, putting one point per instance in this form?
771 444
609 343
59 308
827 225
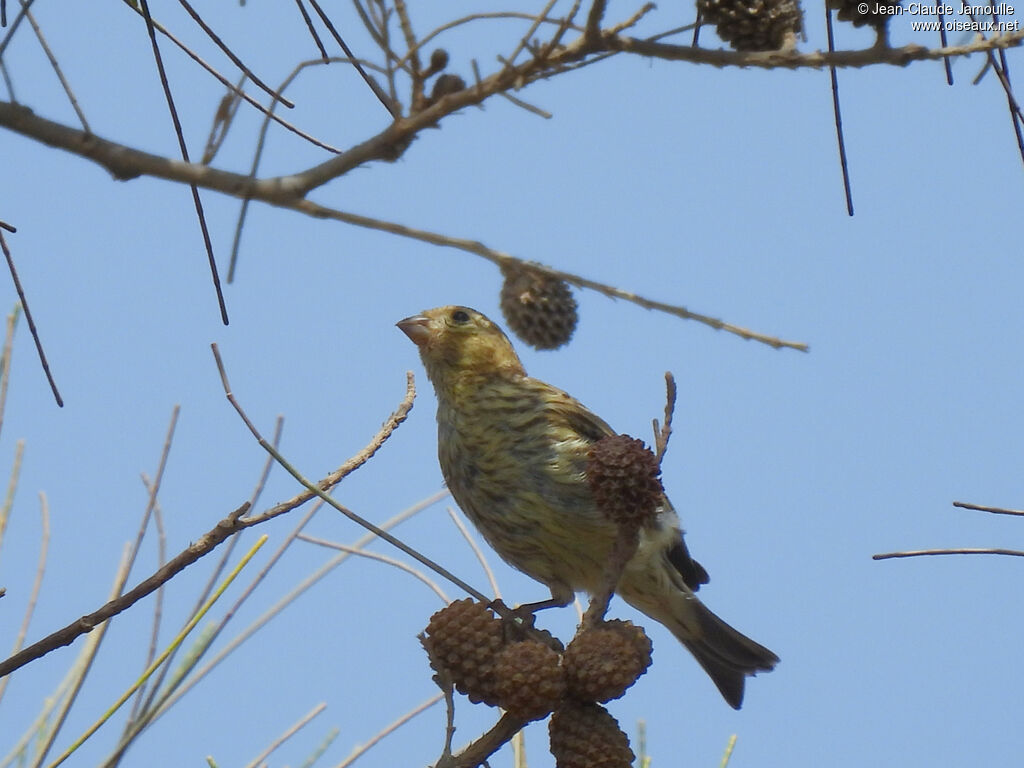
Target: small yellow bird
513 451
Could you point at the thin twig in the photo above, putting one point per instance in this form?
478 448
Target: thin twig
192 55
525 39
298 726
662 433
489 743
79 672
433 585
12 486
25 5
257 157
527 106
155 488
373 84
290 598
160 696
995 510
231 54
223 119
388 730
727 755
66 635
481 558
158 603
44 547
412 54
837 114
942 40
312 30
477 17
318 490
500 259
242 94
5 359
183 147
160 659
56 68
31 322
960 551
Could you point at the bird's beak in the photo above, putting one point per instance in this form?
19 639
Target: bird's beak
417 328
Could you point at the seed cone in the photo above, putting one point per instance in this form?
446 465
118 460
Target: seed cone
603 661
464 639
539 309
586 736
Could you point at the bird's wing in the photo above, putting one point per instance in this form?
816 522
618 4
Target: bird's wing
570 416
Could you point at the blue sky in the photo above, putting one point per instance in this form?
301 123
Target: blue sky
715 189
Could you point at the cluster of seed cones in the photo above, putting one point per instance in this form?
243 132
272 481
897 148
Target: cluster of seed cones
470 647
754 25
770 25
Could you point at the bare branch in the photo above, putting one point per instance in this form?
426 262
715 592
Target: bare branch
200 215
962 551
994 510
28 318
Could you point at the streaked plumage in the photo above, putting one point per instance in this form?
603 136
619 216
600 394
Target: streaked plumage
513 451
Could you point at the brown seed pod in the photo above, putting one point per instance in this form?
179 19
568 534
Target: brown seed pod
624 479
539 309
603 661
464 638
446 84
586 736
753 25
529 682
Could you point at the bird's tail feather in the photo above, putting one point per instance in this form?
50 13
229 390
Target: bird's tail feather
726 654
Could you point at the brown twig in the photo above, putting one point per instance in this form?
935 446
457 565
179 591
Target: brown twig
415 67
837 115
312 30
223 119
389 105
31 322
66 635
162 696
289 598
242 94
960 551
500 259
664 432
485 746
320 490
593 33
57 70
183 147
994 510
230 54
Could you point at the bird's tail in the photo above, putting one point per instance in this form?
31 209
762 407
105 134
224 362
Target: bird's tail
727 655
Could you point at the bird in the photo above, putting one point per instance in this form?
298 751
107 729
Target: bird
513 451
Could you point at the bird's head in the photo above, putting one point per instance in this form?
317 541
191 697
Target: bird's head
457 340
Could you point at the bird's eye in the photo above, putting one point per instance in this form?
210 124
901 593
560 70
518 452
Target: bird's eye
460 316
